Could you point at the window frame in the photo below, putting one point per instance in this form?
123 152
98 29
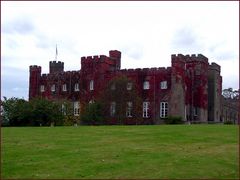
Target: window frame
113 109
42 88
53 88
163 85
129 86
76 87
146 105
129 109
64 87
146 85
91 85
76 108
163 109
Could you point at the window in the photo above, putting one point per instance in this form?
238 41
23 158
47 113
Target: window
76 108
91 85
163 109
64 87
53 88
195 111
113 109
129 86
163 85
129 109
146 85
42 88
76 87
113 86
64 109
146 109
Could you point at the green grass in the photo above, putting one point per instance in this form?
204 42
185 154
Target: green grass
175 151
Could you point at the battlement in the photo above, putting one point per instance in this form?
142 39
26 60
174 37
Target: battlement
198 57
89 59
56 62
146 70
215 66
188 58
56 66
35 68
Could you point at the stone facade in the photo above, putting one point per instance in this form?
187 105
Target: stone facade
190 88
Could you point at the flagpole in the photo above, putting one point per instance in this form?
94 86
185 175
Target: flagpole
56 53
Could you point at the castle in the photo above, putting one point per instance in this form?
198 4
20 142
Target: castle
190 88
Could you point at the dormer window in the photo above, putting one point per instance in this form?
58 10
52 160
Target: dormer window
64 87
76 87
53 88
42 88
163 85
146 85
91 85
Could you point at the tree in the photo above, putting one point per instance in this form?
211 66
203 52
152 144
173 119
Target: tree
45 112
121 91
230 93
15 111
19 112
92 114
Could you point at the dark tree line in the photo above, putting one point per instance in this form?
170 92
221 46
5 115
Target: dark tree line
37 112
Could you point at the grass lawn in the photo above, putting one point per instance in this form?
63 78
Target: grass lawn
164 151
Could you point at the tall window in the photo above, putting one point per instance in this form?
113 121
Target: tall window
53 88
42 88
76 87
76 108
146 109
91 85
129 86
113 109
163 109
64 109
146 85
163 85
195 111
64 87
129 109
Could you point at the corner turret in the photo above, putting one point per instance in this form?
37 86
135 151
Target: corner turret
34 85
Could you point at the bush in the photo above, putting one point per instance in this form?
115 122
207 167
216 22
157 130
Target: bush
228 122
92 114
173 120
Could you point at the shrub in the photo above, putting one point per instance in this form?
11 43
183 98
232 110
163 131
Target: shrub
228 122
173 120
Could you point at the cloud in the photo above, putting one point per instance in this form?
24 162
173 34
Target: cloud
15 83
186 39
21 25
134 51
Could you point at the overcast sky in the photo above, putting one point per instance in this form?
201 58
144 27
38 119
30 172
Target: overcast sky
146 33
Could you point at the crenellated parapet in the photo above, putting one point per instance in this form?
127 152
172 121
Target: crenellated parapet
56 66
102 62
215 67
189 58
